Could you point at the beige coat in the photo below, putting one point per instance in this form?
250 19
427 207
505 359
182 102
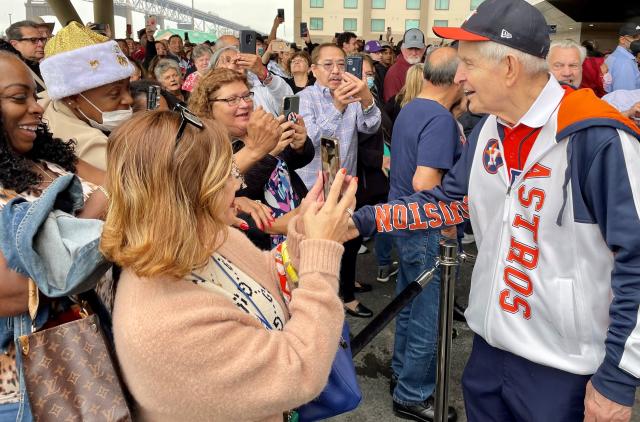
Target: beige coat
91 142
189 354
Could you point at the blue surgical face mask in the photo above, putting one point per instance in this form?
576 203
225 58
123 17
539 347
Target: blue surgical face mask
371 81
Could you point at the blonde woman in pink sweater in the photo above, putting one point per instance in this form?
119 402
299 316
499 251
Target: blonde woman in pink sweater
202 331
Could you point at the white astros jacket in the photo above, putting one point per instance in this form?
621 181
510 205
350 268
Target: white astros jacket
557 278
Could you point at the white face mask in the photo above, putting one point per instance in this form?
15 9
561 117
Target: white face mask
110 119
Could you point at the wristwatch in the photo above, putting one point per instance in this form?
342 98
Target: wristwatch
369 108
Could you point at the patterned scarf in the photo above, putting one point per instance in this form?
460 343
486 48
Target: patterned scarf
280 196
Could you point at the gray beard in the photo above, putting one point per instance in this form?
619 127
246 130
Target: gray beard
413 60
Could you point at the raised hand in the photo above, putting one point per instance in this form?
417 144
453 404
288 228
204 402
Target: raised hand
263 132
330 221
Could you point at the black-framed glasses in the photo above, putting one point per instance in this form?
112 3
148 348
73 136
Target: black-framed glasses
186 117
35 40
234 101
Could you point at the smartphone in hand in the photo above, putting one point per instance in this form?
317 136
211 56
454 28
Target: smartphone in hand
153 97
279 46
152 21
353 65
248 42
291 108
330 154
304 29
281 14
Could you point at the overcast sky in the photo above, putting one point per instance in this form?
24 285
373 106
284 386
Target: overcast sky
257 14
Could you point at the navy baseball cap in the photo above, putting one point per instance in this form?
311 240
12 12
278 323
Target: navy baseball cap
629 28
514 23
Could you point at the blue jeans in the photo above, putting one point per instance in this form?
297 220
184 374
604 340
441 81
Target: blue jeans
9 412
383 245
416 338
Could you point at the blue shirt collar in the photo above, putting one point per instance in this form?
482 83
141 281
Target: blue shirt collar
621 50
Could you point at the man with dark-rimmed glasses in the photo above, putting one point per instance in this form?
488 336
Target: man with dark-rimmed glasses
26 37
338 105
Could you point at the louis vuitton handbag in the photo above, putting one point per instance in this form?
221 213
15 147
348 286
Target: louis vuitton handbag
69 372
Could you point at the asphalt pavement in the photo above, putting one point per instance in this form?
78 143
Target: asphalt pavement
373 364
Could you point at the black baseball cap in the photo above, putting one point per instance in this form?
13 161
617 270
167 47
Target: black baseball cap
630 28
514 23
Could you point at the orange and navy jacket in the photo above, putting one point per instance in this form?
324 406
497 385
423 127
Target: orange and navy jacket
557 277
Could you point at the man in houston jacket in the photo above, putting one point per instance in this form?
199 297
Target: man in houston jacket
551 181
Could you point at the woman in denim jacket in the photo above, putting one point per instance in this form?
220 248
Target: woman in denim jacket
30 160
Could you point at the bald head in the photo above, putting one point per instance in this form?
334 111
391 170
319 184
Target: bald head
227 41
440 66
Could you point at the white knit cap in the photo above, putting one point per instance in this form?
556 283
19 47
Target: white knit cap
78 59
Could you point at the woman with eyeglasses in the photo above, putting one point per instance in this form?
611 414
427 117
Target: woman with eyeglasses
201 328
30 160
225 96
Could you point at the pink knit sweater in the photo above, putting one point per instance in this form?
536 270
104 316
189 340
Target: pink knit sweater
188 354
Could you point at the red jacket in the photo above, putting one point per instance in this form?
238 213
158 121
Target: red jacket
592 76
394 80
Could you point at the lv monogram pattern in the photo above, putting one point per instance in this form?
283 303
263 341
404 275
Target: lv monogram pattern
69 375
9 388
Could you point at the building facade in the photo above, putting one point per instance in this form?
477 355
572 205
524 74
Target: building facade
372 19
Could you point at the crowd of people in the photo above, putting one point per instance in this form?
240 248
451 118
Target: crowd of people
233 270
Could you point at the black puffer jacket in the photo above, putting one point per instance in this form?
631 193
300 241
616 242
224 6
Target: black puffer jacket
373 184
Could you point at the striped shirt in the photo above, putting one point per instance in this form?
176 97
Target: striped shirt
322 119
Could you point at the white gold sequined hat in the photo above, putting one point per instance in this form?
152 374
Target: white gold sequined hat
78 59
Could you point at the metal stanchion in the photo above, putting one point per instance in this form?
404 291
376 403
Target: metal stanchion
391 310
448 261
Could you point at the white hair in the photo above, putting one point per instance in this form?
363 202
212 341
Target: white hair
568 43
496 52
164 65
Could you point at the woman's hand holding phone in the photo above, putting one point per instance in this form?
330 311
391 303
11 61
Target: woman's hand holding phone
286 138
330 220
300 136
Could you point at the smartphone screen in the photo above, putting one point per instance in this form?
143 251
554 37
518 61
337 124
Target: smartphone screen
281 14
353 65
304 29
330 162
291 108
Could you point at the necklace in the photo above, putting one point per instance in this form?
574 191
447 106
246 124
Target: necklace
50 179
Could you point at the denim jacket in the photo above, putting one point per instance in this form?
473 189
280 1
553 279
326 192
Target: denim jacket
42 240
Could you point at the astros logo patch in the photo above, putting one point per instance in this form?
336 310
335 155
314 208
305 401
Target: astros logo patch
491 157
